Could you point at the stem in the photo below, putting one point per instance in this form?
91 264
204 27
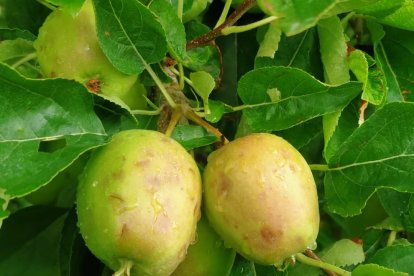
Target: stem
216 32
158 82
391 238
312 255
180 9
24 60
174 120
325 266
319 167
224 13
150 103
125 268
191 115
146 112
181 75
248 27
44 3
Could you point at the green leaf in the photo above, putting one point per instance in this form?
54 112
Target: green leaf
307 138
301 97
372 269
399 46
72 249
300 51
389 224
4 202
72 6
400 17
344 6
35 115
217 110
270 42
393 88
17 53
10 34
30 242
365 70
26 15
242 267
129 47
173 27
378 154
203 83
397 205
297 15
333 51
344 253
397 257
380 8
205 58
191 137
347 122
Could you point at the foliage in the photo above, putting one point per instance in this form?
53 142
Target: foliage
335 78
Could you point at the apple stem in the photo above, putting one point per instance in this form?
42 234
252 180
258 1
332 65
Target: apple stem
319 167
180 5
125 268
176 115
191 115
160 85
181 76
318 263
312 255
391 238
24 59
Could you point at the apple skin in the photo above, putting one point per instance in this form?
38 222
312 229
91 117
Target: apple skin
207 256
138 201
261 198
67 47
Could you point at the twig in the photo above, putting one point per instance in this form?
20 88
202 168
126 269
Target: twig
230 21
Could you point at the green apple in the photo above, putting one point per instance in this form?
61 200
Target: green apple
67 47
138 203
208 256
261 198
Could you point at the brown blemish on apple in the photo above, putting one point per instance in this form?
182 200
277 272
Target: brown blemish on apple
124 230
268 235
224 185
165 140
93 85
117 197
142 163
118 174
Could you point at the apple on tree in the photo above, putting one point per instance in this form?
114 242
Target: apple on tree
68 47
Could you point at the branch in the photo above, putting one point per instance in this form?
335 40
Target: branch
230 21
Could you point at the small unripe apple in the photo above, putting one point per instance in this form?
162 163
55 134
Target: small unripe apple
207 256
260 196
68 47
138 202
